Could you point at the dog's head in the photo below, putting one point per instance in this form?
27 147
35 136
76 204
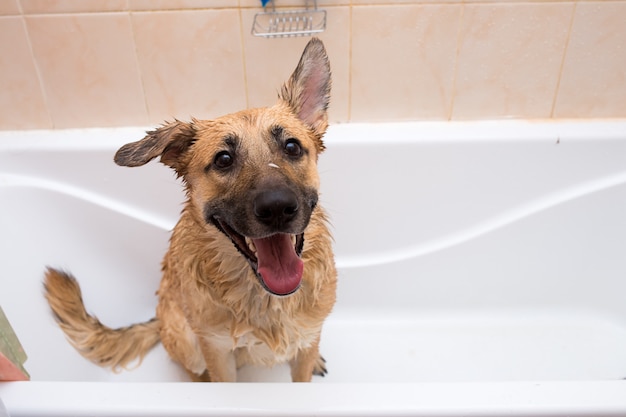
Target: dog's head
253 174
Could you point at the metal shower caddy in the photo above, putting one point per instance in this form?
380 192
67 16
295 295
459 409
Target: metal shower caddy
290 23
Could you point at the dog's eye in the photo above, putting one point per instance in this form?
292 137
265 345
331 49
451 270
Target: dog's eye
223 160
293 148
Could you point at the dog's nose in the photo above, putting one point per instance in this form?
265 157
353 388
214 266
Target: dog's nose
276 207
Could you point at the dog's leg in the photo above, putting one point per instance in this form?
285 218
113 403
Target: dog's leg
306 363
220 362
178 337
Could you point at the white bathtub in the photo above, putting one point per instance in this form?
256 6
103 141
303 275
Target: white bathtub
482 271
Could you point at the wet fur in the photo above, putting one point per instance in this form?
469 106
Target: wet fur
213 314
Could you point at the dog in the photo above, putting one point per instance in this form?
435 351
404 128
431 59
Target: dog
249 276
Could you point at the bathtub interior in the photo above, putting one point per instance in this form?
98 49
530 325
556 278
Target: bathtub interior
465 252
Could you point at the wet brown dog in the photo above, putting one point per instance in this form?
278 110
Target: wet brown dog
249 276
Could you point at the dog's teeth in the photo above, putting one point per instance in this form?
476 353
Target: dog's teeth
251 244
293 239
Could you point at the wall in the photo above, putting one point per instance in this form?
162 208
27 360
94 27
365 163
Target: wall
84 63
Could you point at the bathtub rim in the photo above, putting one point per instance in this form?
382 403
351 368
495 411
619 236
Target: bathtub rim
581 398
555 131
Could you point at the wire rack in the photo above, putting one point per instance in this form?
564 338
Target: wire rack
289 23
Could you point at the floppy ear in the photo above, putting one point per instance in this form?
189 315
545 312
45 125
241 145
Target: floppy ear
307 91
169 141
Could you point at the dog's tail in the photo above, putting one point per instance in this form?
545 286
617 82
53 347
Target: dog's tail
112 348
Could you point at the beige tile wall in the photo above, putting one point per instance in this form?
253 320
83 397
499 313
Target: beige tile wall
84 63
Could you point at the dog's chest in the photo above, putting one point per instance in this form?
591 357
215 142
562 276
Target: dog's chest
280 343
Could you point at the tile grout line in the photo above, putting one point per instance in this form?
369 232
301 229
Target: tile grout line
349 116
138 66
565 48
243 56
38 71
456 62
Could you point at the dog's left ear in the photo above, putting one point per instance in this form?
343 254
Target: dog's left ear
169 141
307 91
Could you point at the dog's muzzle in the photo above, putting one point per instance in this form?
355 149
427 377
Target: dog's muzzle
273 245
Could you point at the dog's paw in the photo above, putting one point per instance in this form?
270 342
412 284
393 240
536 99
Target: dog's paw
320 367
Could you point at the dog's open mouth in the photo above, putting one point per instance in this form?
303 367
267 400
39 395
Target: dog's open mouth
275 259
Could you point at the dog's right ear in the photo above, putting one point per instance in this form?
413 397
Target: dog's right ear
170 141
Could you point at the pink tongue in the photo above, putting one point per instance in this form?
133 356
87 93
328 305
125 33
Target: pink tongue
279 266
